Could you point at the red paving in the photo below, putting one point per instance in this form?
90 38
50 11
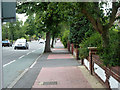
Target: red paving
66 77
56 49
60 56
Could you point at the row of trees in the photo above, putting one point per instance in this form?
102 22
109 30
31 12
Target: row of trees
49 15
48 18
15 30
12 31
81 18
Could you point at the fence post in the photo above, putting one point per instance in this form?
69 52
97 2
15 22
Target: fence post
107 72
92 50
68 46
82 61
72 48
77 53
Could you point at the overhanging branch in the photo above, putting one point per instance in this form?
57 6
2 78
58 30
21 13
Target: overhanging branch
96 23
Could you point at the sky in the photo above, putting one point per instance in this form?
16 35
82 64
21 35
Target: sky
21 17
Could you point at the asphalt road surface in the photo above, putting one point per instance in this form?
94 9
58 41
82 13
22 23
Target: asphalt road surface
16 61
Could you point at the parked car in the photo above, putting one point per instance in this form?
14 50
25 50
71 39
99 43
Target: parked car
41 41
21 43
6 43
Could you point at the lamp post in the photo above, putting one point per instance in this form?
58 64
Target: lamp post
1 66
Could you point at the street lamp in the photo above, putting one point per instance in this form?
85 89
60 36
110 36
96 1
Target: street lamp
7 14
1 67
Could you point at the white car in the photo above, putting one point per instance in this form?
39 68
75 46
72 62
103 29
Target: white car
21 43
41 41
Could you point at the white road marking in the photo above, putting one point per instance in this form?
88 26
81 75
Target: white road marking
21 56
28 53
33 64
33 50
8 63
21 75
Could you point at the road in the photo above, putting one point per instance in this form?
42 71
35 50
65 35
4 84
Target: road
16 62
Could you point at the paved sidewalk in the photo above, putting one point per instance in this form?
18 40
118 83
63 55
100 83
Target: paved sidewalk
63 71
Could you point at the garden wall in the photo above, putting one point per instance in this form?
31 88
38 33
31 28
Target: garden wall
110 77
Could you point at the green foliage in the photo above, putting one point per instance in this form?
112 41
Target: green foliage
64 38
94 40
110 55
12 31
78 30
83 53
27 37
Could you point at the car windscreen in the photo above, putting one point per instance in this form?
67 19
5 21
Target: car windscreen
20 41
5 42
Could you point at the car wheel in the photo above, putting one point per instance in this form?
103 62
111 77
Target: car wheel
15 48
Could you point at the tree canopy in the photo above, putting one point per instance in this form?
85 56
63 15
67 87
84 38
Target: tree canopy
50 14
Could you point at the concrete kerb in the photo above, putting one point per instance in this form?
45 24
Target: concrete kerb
22 74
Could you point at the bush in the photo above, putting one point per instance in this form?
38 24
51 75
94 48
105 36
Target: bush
94 40
83 53
110 55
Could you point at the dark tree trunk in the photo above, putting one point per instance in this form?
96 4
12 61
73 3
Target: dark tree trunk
47 43
105 37
12 38
118 46
52 45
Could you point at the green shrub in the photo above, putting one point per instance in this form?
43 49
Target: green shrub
64 38
94 40
109 55
83 53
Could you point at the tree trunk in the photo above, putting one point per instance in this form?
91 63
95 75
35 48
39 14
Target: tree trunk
52 45
47 43
12 38
105 37
118 46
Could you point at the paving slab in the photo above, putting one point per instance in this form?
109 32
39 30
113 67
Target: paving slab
55 49
61 77
60 56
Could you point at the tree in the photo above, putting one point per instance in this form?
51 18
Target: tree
78 29
47 15
93 11
101 23
30 27
13 31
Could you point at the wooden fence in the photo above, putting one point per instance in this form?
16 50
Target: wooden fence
108 76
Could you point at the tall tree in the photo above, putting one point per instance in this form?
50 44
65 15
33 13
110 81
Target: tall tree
47 15
94 12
